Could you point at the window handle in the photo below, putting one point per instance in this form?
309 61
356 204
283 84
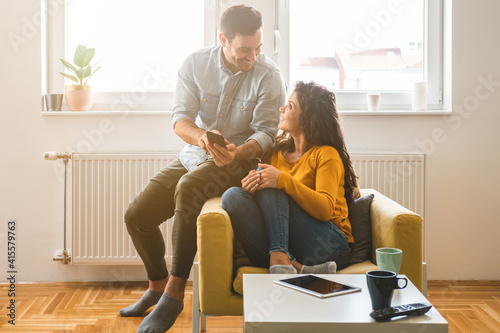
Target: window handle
277 41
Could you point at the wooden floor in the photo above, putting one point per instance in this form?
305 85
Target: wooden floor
468 306
93 307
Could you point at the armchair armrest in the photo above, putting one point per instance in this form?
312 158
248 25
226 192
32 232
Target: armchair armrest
396 226
215 256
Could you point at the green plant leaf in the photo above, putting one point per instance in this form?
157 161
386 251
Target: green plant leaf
86 72
87 57
79 73
68 65
71 77
78 59
95 70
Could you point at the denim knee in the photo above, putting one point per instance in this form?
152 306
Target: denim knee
270 196
268 191
233 198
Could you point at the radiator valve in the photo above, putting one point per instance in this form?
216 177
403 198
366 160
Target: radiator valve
62 256
52 155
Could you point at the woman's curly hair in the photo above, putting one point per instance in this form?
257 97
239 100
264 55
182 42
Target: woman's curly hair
319 121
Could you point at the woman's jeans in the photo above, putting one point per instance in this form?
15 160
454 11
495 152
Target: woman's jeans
272 221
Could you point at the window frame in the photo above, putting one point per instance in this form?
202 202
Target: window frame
276 46
139 99
391 100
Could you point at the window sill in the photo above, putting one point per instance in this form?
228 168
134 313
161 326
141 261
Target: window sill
106 113
168 113
394 113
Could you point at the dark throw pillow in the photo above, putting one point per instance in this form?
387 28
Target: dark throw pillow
359 216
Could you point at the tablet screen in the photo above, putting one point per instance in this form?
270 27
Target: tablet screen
317 286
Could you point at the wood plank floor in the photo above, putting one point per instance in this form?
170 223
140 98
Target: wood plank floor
468 306
93 307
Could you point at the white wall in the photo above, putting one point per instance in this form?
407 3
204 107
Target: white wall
461 226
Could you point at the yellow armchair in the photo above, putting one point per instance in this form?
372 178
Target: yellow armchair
217 286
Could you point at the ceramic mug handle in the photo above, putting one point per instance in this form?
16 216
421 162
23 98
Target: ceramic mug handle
397 286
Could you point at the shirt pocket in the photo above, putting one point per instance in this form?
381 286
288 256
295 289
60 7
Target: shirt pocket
241 115
208 109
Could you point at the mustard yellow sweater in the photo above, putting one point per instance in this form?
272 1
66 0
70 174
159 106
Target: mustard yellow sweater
316 183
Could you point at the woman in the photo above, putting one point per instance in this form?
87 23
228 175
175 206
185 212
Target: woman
291 213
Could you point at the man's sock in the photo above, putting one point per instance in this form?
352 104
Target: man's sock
329 267
282 269
147 300
162 317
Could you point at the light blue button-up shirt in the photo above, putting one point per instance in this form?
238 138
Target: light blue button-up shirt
240 106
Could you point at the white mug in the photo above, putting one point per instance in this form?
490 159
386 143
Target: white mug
372 100
419 96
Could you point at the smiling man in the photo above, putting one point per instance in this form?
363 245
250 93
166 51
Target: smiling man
240 50
231 89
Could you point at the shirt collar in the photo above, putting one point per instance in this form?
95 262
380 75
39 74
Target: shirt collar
222 64
220 61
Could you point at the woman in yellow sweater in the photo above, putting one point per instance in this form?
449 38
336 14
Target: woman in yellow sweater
291 213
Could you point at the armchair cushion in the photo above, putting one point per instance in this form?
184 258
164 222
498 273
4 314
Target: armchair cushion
359 216
238 280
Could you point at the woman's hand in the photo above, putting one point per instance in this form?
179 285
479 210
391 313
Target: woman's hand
251 182
269 176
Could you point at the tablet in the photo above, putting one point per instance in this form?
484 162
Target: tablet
317 286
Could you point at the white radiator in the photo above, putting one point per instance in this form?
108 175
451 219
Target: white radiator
399 176
103 185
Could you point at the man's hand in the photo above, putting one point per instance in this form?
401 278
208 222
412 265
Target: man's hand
192 134
222 156
203 142
269 176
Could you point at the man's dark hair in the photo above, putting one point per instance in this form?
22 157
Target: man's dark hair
241 19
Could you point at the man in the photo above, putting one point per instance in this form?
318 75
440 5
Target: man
231 89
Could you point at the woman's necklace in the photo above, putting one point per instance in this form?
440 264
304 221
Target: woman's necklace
289 156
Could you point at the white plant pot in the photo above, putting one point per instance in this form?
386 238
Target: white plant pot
79 97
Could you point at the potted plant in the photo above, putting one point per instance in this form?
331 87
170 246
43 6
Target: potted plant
80 96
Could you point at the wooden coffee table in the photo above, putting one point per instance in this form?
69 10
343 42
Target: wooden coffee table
272 308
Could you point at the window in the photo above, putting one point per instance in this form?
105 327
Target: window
140 46
356 46
350 46
135 39
377 48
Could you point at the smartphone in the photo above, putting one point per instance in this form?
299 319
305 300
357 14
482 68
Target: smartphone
216 138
